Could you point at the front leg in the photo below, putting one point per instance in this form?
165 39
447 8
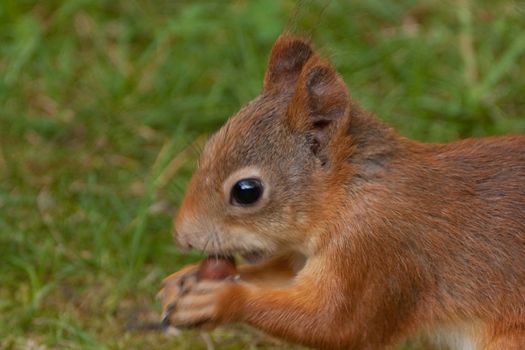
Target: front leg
306 311
206 304
277 271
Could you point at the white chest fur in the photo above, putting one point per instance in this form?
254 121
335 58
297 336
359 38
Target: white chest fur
454 338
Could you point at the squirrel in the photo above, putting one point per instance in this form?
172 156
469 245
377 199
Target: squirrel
354 236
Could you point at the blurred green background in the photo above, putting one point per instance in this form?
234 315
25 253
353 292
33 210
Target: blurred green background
105 104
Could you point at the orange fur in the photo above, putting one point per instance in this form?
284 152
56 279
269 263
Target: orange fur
376 237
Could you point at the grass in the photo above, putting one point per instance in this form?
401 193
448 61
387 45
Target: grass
104 105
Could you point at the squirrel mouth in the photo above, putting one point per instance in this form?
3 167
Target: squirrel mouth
253 256
250 256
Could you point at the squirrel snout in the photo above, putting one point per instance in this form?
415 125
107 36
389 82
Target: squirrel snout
182 244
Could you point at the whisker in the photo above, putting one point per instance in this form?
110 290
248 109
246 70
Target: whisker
219 243
197 146
216 242
206 244
196 150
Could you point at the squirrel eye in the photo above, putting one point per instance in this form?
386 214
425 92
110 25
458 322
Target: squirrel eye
246 192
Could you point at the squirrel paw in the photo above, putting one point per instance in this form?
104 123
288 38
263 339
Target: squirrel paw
188 303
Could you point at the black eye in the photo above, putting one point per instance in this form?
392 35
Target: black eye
246 192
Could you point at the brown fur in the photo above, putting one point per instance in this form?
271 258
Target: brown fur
374 237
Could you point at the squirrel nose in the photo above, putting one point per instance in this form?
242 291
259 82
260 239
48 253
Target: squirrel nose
183 245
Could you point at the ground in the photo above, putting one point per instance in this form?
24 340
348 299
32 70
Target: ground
105 105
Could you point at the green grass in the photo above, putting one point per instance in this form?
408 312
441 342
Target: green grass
105 104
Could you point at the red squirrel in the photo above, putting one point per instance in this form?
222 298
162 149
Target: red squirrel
355 237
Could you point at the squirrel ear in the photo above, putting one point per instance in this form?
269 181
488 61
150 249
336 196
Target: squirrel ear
320 105
286 60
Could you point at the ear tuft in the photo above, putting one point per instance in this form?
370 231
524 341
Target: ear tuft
288 56
320 96
320 106
327 94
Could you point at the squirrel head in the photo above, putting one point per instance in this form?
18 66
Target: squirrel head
264 179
